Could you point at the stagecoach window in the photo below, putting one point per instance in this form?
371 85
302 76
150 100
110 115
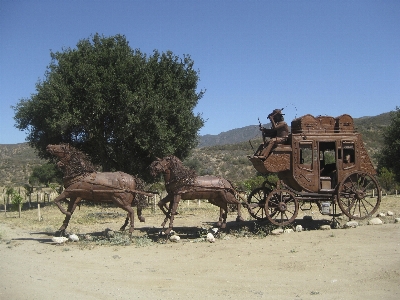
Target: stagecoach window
306 154
348 154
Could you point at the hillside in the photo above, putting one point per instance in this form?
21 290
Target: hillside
224 154
16 163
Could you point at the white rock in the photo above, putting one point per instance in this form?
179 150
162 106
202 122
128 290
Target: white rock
397 220
59 239
351 224
73 237
375 221
277 231
381 215
299 228
210 238
214 230
325 227
390 213
174 238
288 230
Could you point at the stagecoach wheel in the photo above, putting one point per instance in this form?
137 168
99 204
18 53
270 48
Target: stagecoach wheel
359 195
256 201
281 207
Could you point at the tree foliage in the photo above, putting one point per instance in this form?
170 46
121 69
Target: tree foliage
118 105
45 174
386 179
389 157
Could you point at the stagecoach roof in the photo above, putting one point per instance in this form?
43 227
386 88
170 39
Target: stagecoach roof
323 124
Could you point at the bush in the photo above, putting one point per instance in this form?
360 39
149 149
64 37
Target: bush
16 201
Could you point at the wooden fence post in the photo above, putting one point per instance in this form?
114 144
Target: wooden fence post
153 207
39 216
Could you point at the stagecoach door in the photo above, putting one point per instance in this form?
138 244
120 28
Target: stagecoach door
327 165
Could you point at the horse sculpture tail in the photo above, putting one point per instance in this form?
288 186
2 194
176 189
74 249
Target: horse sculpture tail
140 199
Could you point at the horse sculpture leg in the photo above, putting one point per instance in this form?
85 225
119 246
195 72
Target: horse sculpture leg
57 201
162 204
173 210
223 215
124 201
72 204
140 217
139 214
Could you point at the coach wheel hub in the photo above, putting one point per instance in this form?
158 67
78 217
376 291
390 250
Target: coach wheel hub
360 195
282 206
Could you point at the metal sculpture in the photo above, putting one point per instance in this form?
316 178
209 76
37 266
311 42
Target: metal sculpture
183 183
83 182
322 161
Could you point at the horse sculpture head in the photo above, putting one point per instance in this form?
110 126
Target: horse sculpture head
71 161
159 166
59 151
174 166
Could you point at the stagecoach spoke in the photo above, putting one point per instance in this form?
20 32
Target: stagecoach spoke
355 204
256 201
284 204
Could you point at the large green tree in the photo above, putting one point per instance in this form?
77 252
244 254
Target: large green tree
389 157
120 106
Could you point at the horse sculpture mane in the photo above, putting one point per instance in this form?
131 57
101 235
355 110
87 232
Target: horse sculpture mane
73 162
182 173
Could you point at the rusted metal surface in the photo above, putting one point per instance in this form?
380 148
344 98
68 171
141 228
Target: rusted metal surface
82 182
183 183
315 162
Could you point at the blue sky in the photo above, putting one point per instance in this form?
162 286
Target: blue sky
317 57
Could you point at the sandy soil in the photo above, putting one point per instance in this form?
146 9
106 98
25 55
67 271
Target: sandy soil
359 263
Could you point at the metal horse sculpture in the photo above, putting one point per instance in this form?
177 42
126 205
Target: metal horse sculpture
82 182
183 183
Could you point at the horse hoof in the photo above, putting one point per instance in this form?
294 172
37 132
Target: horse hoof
239 219
166 232
60 233
223 226
122 228
142 219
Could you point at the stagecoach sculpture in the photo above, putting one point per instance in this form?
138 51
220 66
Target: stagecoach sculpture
323 161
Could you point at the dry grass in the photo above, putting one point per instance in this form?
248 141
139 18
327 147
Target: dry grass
192 222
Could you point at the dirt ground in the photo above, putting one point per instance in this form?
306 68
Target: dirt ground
243 263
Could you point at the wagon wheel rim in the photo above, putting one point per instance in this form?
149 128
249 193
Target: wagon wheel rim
281 207
356 198
256 203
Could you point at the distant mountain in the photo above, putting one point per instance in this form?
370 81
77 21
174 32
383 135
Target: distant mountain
233 136
238 135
